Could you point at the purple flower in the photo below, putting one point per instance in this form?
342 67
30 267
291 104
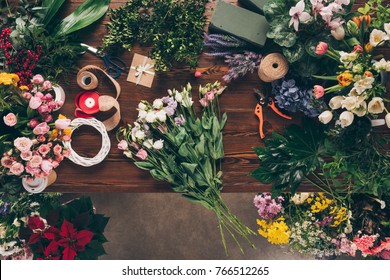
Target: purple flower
268 207
4 208
179 121
325 221
241 64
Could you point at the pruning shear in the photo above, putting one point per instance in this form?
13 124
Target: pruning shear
265 101
114 65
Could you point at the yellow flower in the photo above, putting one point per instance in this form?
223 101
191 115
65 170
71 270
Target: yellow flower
67 131
368 47
339 215
54 134
62 117
321 203
276 232
345 78
9 79
23 88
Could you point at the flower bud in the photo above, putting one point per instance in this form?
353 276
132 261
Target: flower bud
353 28
325 117
338 33
346 119
321 48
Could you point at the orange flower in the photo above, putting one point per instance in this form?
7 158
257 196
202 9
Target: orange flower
23 88
368 74
345 78
54 134
67 131
368 47
360 19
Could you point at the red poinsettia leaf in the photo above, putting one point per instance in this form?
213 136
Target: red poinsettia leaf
69 253
83 238
36 223
68 230
52 233
63 242
52 249
34 238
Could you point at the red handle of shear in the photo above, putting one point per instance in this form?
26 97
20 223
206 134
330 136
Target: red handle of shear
259 114
276 110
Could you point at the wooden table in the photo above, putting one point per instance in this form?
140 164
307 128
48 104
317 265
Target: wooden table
117 174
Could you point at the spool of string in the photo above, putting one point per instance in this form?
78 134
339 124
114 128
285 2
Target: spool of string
273 66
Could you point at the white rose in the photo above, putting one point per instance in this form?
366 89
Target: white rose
159 144
150 117
158 104
338 33
178 97
363 84
325 117
349 103
376 106
387 119
346 118
140 135
361 110
377 37
161 116
148 143
142 106
387 28
336 102
142 114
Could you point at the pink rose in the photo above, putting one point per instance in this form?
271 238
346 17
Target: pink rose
142 154
7 161
318 91
23 144
43 109
59 158
35 161
46 166
47 85
35 102
41 129
17 168
48 118
123 145
27 95
66 153
44 150
26 155
204 102
57 150
210 96
53 105
32 170
321 48
33 123
41 138
55 164
10 119
48 97
37 79
62 123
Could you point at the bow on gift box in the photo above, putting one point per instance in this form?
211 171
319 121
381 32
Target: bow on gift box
90 102
142 69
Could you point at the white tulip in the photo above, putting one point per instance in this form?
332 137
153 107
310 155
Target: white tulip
376 105
140 135
338 33
363 84
335 102
159 144
387 119
179 97
142 114
377 37
325 117
148 143
361 110
161 116
349 103
346 118
382 65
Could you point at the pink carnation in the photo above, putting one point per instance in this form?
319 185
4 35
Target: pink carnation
41 138
47 85
48 97
26 155
43 109
48 118
365 244
41 129
33 123
17 168
23 144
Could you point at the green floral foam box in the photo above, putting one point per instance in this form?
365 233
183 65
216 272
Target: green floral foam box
239 22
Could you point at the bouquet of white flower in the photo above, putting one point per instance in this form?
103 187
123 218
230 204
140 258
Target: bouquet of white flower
175 146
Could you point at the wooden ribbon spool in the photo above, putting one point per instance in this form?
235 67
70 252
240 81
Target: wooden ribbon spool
273 66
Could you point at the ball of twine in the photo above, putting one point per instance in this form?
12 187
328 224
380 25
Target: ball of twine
273 67
104 150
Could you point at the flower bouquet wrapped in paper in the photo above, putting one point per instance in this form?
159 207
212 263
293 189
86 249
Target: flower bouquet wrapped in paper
176 146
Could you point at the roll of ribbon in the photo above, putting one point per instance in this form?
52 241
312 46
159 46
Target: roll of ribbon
87 80
104 150
38 185
273 67
59 95
89 103
378 122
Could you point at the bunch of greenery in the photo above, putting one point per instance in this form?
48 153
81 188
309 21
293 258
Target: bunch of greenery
173 28
337 161
379 9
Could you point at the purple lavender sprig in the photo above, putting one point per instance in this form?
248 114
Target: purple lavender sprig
241 64
220 45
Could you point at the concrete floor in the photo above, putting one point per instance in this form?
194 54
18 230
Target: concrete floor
166 226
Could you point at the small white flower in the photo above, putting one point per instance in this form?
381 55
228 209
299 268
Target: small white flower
363 84
179 97
16 223
387 119
357 68
387 28
325 117
336 102
140 135
377 37
338 33
148 143
158 104
361 110
300 198
346 119
142 114
150 117
161 116
158 145
382 65
376 106
142 106
34 204
128 154
349 103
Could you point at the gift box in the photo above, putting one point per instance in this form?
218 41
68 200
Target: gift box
239 22
141 71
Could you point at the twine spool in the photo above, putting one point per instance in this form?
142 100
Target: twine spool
273 67
87 80
104 150
38 185
59 95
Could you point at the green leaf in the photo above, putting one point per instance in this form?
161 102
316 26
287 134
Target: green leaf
263 175
86 14
294 53
183 150
144 165
216 128
223 120
156 174
51 9
189 167
274 8
364 10
281 34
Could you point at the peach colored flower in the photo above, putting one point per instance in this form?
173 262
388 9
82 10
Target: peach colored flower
41 129
44 150
10 119
46 166
26 155
7 161
57 149
17 168
23 144
35 161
